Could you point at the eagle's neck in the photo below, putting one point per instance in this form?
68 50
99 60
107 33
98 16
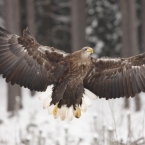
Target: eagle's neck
85 56
79 59
79 65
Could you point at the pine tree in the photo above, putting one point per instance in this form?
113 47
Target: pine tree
103 27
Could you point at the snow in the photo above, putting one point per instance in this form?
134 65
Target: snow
33 122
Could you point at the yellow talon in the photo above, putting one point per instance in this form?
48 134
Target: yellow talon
55 110
77 112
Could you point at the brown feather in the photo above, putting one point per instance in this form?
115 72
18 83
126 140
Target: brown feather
124 77
22 62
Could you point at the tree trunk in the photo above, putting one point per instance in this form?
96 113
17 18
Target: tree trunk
31 16
78 24
12 23
31 22
16 16
143 24
129 37
8 14
129 29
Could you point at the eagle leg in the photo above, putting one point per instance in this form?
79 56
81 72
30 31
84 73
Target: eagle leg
55 110
77 112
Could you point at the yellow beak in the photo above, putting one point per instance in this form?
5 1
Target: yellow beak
90 50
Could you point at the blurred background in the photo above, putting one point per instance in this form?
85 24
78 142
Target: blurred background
114 28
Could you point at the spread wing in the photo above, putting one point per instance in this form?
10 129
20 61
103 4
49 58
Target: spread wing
114 78
25 62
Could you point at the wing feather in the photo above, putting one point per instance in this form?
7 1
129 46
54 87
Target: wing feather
27 63
119 81
117 77
118 87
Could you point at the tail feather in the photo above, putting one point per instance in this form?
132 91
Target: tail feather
47 102
47 93
90 94
84 105
70 113
57 114
87 101
50 109
65 112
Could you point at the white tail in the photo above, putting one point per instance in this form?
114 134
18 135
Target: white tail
66 112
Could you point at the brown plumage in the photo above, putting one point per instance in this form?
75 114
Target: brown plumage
25 62
115 78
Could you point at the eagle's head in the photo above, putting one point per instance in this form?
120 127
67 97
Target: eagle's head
86 51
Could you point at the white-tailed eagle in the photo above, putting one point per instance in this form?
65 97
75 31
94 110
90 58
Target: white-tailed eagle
74 77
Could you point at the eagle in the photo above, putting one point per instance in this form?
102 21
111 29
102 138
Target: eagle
68 81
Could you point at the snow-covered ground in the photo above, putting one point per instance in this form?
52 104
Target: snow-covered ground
102 114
